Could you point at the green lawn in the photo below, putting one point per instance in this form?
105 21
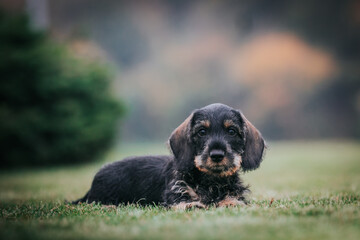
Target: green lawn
303 190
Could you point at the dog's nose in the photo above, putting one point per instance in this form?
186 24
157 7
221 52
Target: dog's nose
217 155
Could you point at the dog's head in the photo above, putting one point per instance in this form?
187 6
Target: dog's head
217 140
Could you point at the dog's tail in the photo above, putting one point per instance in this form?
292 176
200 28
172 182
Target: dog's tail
81 200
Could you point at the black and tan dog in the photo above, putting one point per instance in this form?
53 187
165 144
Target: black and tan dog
209 149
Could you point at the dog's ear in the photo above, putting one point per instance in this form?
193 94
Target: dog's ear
180 144
254 146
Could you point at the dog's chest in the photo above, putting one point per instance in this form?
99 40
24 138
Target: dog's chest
210 191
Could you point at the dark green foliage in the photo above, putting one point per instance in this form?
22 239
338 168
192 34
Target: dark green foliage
54 109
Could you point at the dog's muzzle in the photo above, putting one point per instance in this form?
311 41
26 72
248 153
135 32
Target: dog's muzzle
218 162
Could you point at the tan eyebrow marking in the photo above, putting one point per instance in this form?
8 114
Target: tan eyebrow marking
230 123
205 123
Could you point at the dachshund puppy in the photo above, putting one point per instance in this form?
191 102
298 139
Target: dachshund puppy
208 150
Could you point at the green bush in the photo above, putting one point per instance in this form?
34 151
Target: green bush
54 109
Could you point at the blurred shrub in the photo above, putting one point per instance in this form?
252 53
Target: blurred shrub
54 109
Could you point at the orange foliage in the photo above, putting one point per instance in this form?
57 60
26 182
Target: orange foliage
279 67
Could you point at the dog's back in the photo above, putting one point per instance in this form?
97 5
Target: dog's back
132 180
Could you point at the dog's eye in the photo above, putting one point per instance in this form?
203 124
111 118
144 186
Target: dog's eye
231 131
202 132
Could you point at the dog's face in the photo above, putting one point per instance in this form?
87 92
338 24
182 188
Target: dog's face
217 140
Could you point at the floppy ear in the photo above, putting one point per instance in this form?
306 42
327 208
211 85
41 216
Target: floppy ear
180 144
254 146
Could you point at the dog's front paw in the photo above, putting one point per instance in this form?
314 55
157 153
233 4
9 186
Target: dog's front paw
188 205
230 202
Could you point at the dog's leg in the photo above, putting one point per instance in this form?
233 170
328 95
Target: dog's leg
187 205
230 202
180 196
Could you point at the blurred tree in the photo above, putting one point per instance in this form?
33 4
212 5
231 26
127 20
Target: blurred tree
333 110
175 55
54 109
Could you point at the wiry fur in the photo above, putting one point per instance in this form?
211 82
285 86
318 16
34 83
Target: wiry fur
208 150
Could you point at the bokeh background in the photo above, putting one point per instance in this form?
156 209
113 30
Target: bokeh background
292 67
88 82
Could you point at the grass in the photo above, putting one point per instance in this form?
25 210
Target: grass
303 190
